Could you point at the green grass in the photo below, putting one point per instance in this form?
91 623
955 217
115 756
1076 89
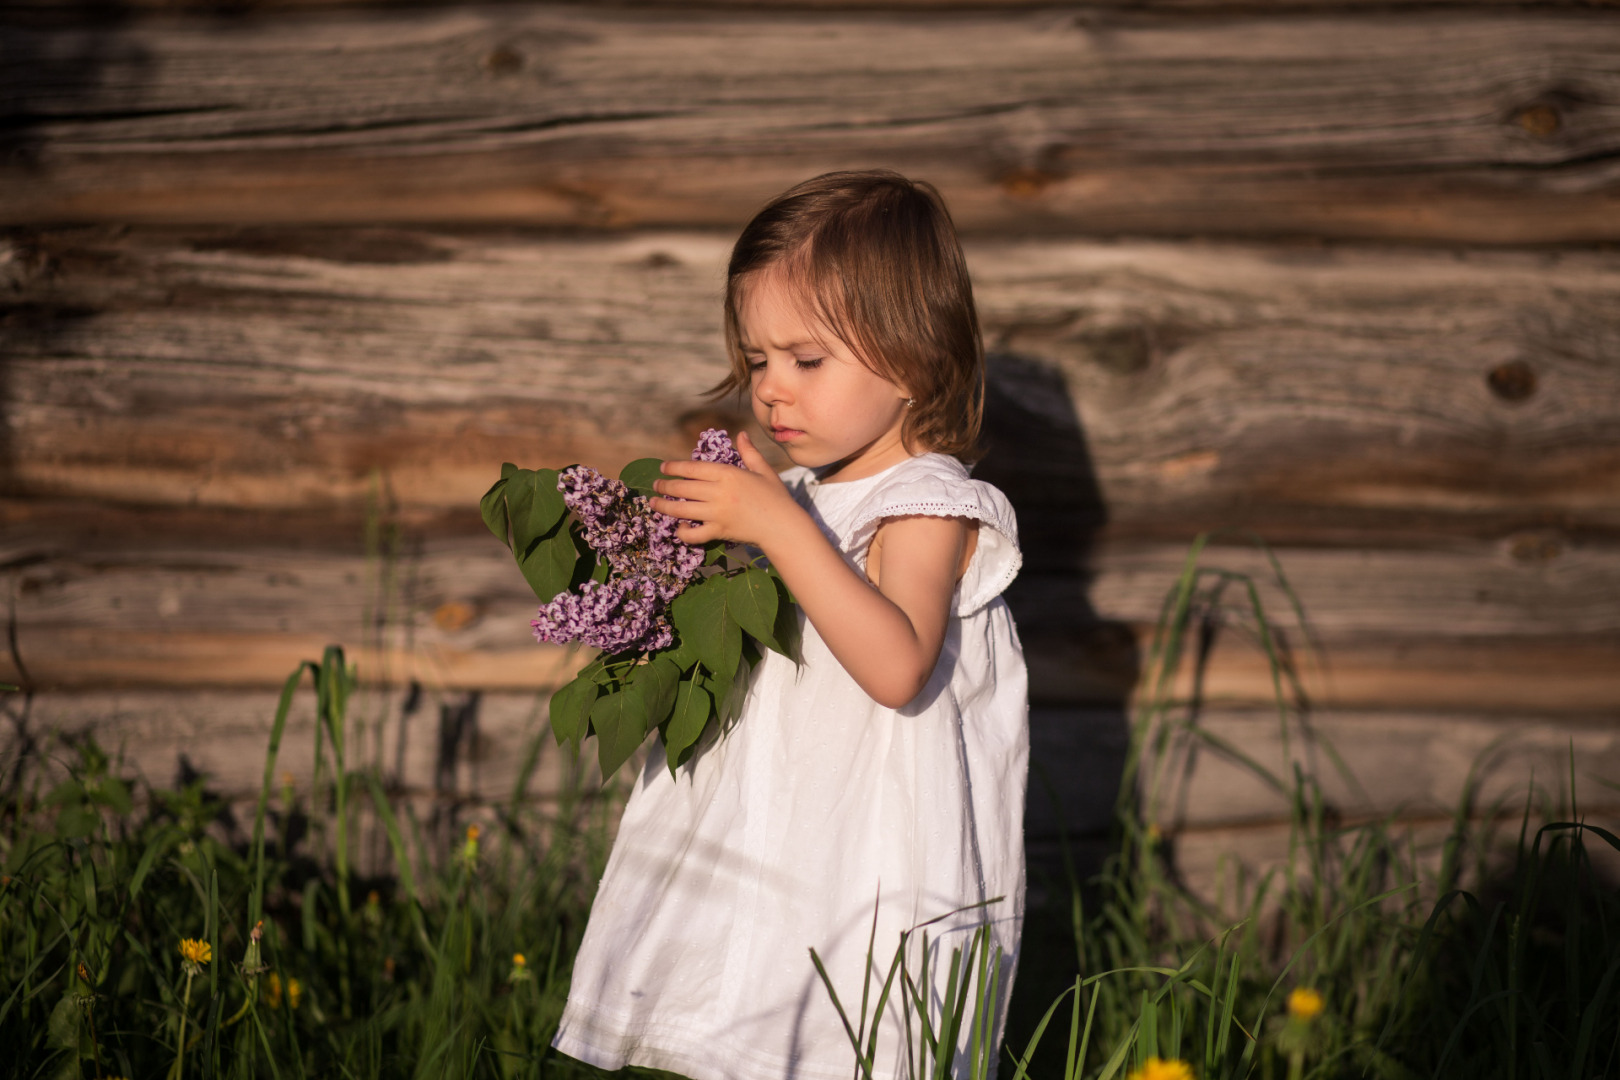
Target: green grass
1496 955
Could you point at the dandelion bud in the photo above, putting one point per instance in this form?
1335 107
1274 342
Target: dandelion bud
1304 1004
1158 1069
272 990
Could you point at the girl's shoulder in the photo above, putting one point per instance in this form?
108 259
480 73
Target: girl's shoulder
937 485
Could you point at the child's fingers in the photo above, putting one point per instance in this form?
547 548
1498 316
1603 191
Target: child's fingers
748 451
696 470
752 459
679 508
695 533
683 489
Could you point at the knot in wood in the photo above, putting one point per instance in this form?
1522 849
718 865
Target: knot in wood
1026 183
1513 381
1535 547
453 616
1540 121
503 60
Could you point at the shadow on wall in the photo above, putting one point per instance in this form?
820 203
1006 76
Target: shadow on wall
1082 667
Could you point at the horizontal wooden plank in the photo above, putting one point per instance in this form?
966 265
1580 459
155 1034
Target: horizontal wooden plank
467 592
443 745
1223 826
58 12
1483 125
1230 768
1473 629
1321 394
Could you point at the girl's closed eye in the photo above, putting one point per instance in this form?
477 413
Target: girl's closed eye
807 363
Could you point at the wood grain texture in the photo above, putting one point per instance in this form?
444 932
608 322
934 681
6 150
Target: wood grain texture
1470 629
1475 124
1412 767
1231 769
1339 394
58 11
422 746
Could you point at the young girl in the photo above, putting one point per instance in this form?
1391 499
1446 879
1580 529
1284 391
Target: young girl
886 771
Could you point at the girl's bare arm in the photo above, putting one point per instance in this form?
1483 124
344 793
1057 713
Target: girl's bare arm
887 637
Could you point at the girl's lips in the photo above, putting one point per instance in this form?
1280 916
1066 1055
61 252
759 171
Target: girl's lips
782 434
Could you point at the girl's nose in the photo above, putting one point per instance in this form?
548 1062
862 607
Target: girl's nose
769 386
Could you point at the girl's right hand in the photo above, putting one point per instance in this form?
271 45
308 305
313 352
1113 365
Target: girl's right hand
750 505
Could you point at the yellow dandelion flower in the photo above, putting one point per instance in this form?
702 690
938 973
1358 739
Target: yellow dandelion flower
1154 833
1304 1004
1159 1069
294 992
196 952
518 961
472 834
272 990
373 898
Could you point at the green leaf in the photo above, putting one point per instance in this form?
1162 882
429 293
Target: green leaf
571 709
713 552
620 722
787 631
493 506
535 505
681 654
586 567
776 575
115 793
548 564
656 681
76 821
719 689
62 1029
751 599
693 706
639 475
730 706
701 618
507 469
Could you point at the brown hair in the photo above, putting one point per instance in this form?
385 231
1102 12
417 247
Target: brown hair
876 256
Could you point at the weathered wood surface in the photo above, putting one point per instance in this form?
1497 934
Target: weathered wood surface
1467 628
57 10
1409 766
1414 766
1481 125
1339 394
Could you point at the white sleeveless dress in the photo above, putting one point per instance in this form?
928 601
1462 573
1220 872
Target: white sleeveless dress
780 835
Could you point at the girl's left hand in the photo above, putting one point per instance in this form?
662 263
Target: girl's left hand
721 502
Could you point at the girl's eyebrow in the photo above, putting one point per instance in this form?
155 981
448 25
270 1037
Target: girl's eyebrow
746 346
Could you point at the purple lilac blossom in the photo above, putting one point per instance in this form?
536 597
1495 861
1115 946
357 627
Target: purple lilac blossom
650 565
715 445
615 615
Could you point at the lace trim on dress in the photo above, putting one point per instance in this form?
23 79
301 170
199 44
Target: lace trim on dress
996 560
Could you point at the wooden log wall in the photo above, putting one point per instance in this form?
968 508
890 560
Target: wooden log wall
1341 276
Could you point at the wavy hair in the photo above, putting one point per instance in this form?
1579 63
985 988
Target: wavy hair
875 257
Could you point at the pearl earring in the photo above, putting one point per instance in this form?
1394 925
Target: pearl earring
911 402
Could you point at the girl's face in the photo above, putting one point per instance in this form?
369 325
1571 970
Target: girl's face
810 390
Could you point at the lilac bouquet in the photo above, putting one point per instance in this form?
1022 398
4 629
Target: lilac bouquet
678 627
